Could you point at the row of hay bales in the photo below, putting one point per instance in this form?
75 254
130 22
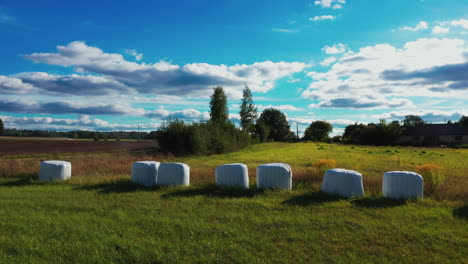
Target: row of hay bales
341 182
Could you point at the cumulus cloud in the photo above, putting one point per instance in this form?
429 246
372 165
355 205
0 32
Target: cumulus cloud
460 23
166 78
335 49
328 61
324 17
363 102
419 27
434 116
85 122
62 107
335 4
9 85
440 30
134 53
186 114
384 71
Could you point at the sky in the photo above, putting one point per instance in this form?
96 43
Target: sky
119 65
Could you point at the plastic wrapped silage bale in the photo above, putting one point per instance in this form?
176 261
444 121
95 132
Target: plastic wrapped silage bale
342 182
54 170
235 174
173 174
145 172
274 175
402 184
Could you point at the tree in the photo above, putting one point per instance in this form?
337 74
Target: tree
463 121
2 129
413 120
318 131
277 123
248 111
218 106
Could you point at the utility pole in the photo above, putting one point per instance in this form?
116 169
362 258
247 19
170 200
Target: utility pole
138 132
297 131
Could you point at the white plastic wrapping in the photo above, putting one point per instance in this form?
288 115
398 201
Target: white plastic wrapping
145 172
342 182
402 184
274 175
173 174
234 174
54 170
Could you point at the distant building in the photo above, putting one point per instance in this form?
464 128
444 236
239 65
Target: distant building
435 134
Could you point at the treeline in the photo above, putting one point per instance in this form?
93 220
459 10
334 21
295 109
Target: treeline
386 133
77 134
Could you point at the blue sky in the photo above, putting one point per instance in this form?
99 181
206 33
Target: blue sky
110 65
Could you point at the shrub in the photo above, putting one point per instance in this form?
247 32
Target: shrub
433 176
323 165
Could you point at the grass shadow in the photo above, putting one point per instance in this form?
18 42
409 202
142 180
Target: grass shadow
378 202
215 191
461 212
22 181
312 198
122 186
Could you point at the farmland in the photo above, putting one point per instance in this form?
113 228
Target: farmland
99 216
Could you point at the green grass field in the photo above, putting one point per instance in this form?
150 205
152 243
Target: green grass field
100 217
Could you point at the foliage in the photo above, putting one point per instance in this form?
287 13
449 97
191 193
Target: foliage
180 138
262 132
82 134
463 121
318 131
218 106
382 133
413 120
277 123
433 176
248 111
322 165
2 129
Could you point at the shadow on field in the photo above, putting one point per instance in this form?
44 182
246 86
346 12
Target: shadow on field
122 186
215 191
312 198
461 212
378 202
22 180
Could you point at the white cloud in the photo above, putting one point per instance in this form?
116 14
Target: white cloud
335 4
9 85
423 67
186 114
162 77
420 26
335 49
324 17
460 23
85 122
364 102
440 30
435 116
134 53
328 61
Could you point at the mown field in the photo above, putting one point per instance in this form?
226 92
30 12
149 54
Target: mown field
99 216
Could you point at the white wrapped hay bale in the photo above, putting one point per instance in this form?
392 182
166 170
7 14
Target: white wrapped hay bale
145 172
235 174
274 175
402 184
342 182
173 174
54 170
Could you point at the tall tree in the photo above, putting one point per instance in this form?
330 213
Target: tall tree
413 120
277 123
248 111
2 129
318 131
463 121
218 106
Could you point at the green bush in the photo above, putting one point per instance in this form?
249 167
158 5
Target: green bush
201 138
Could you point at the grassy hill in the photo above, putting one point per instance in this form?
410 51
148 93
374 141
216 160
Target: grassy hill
99 216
